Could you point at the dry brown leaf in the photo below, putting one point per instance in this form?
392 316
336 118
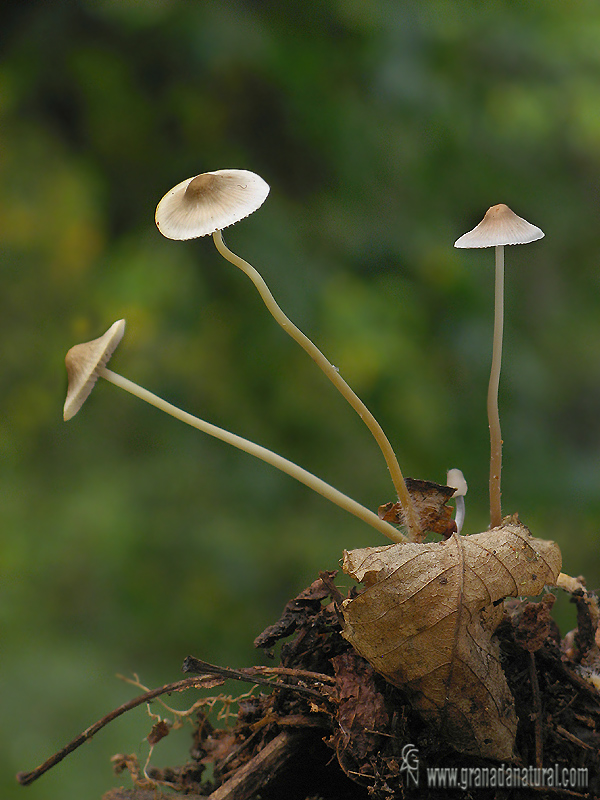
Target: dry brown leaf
429 500
159 730
426 618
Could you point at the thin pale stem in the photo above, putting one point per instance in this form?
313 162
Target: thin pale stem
459 518
410 514
492 398
300 474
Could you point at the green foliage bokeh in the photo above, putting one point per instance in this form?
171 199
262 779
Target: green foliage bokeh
385 131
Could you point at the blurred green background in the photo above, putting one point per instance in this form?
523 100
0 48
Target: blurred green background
385 130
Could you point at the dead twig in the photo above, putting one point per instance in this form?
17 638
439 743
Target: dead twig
570 737
201 681
318 677
537 711
254 675
334 592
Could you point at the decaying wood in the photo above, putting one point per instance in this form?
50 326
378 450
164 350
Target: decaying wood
262 769
296 611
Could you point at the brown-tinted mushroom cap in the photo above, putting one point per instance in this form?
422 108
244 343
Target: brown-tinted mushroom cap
500 226
209 202
83 362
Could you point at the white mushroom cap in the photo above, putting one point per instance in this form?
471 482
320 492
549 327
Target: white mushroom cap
209 202
83 362
456 480
500 226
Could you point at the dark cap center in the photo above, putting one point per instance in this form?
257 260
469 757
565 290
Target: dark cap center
200 187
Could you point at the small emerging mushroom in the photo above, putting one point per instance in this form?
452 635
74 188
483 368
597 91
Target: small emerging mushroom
209 202
86 363
456 480
499 227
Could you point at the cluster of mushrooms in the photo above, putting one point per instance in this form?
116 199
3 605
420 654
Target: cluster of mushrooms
207 203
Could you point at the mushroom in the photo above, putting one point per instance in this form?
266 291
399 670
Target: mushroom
456 480
499 227
211 201
86 362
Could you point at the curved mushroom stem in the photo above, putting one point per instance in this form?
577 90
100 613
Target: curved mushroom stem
412 519
459 517
300 474
492 398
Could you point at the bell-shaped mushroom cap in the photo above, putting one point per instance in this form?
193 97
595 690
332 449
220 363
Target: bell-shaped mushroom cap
209 202
500 226
83 362
456 480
